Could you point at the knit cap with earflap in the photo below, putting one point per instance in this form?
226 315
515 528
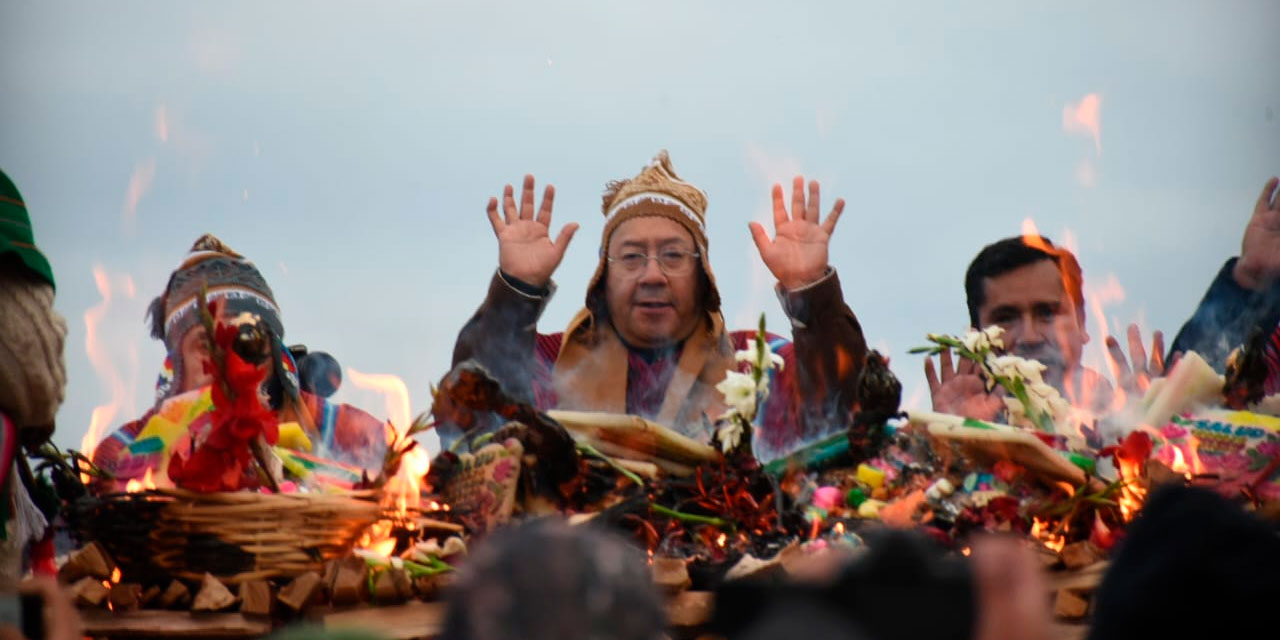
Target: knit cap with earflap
225 276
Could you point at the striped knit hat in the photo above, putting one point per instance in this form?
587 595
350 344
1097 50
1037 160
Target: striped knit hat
227 276
656 191
16 236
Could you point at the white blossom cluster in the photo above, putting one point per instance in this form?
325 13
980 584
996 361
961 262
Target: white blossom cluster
743 394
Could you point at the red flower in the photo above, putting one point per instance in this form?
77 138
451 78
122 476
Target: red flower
237 419
1136 447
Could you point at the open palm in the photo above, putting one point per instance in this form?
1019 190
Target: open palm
525 249
1259 263
797 253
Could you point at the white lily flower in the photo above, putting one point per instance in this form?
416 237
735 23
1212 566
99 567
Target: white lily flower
771 359
1029 371
982 340
729 435
739 391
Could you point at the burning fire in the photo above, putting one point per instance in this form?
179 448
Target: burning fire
134 486
1040 530
96 349
1085 117
403 492
394 392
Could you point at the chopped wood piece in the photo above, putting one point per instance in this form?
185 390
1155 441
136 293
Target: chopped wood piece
351 584
301 591
175 595
1069 605
150 594
125 596
89 592
1081 580
213 595
327 577
404 585
256 598
670 574
90 560
385 590
690 609
429 587
1079 554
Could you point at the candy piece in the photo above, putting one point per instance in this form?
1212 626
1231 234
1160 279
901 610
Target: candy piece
870 508
939 490
870 476
827 498
855 497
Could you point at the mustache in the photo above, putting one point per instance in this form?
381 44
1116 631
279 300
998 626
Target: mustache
1045 353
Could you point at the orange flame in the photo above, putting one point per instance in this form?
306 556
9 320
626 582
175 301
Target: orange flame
144 174
94 347
721 540
135 485
1040 531
1085 117
839 528
394 391
162 123
403 491
115 575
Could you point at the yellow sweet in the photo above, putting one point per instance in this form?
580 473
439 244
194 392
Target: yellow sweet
870 508
293 437
870 476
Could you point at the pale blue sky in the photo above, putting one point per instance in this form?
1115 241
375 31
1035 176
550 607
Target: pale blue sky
349 148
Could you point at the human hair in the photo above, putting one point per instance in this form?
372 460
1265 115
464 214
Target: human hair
1003 256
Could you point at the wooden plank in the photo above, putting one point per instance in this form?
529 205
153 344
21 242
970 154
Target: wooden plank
170 624
401 622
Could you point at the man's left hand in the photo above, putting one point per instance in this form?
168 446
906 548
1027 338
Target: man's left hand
797 254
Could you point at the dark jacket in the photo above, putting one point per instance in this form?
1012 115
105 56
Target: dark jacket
811 397
1225 317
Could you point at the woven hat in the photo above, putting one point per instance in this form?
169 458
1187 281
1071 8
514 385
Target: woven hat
656 191
225 275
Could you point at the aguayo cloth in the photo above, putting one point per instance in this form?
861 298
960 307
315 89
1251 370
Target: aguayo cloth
811 396
343 433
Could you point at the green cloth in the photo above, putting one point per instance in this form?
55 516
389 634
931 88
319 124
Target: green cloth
15 231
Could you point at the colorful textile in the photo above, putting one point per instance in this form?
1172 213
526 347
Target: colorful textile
148 443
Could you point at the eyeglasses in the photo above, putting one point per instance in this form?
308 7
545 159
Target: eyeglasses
672 263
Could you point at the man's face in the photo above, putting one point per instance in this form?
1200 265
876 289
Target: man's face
649 308
1038 316
195 353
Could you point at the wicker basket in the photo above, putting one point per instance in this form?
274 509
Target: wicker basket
236 536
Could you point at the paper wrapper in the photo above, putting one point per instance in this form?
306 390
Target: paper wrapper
484 487
1235 445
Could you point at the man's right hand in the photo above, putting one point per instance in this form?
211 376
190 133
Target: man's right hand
525 250
961 391
1259 263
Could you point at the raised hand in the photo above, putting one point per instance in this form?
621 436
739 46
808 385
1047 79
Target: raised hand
1259 263
525 249
797 254
961 391
1136 378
